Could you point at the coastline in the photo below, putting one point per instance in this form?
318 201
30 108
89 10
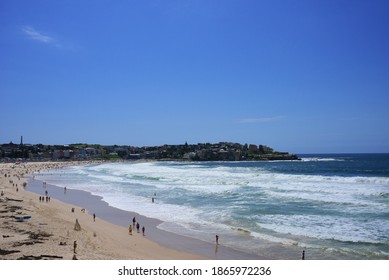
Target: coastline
106 238
50 233
95 204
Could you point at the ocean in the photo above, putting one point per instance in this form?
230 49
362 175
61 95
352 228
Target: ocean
332 206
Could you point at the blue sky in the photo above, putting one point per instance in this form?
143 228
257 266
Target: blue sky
299 76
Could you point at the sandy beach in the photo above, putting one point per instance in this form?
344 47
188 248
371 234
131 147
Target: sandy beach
50 232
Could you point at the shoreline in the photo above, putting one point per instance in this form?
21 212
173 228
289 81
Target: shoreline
50 232
95 204
106 238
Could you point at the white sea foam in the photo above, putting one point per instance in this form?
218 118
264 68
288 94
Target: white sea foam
336 228
320 159
275 239
201 199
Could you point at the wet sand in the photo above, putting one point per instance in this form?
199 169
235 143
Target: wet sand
50 233
95 204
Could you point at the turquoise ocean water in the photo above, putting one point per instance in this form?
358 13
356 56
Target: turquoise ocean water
332 206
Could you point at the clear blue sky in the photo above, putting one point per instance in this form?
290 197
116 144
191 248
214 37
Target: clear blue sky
300 76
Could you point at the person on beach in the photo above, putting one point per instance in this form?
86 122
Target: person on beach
303 255
130 230
137 227
143 231
94 217
217 239
133 222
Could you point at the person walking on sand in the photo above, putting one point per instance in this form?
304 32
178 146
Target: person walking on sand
137 227
143 231
130 230
133 222
94 217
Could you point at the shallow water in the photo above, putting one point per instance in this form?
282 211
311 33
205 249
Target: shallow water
332 206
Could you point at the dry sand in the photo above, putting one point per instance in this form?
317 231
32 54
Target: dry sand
50 233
